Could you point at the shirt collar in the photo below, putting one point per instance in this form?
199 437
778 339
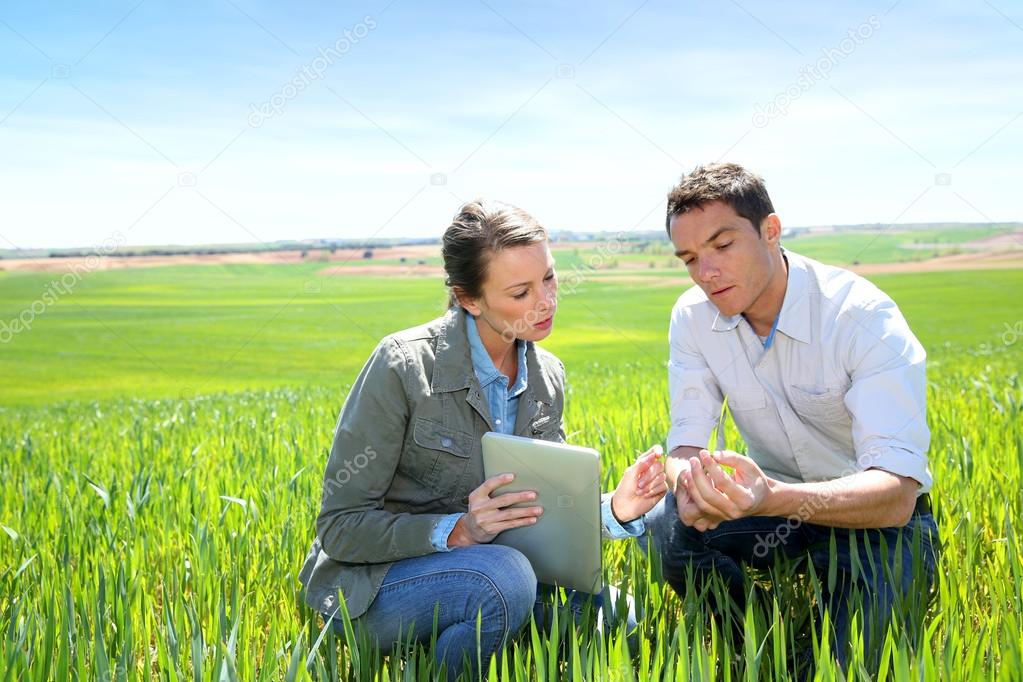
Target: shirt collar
484 366
794 319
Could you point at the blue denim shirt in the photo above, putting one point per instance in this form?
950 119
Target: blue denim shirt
502 399
504 403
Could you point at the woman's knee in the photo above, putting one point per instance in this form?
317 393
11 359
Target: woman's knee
512 582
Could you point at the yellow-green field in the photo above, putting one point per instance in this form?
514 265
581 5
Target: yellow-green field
164 431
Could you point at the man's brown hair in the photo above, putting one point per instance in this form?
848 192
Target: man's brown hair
730 183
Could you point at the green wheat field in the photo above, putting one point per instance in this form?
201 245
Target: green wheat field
164 431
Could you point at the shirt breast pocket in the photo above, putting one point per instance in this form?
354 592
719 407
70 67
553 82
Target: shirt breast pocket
439 456
819 403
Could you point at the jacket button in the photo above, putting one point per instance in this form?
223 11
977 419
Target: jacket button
446 442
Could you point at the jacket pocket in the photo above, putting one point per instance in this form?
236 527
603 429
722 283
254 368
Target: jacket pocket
440 454
435 436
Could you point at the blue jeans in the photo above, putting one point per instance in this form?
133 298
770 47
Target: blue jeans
493 581
873 568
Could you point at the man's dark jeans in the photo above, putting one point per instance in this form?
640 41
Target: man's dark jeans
875 570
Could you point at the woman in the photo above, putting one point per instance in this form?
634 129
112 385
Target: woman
406 517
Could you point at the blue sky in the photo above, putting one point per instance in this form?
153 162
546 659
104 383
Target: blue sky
229 121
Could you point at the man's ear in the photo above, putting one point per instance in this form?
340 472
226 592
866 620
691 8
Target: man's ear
466 301
770 229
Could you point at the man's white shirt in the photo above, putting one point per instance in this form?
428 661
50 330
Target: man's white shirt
841 389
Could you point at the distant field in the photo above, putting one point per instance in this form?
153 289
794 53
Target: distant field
612 255
889 245
178 331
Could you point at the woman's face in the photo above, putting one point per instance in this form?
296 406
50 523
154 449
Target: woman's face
520 294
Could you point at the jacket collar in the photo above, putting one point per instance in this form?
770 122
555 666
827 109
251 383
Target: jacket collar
452 367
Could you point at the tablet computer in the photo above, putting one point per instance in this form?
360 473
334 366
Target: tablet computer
563 546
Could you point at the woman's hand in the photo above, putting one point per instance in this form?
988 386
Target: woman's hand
488 516
641 487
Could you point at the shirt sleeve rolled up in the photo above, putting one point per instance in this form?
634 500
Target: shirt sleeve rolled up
888 395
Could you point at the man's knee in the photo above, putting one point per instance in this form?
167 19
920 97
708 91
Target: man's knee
680 548
676 543
662 522
655 521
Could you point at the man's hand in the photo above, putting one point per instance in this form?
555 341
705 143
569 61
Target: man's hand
675 469
707 495
641 487
488 516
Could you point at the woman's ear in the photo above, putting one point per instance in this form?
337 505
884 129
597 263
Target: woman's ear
466 301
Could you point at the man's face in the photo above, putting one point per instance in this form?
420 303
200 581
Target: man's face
725 255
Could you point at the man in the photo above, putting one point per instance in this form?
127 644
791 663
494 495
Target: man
825 382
